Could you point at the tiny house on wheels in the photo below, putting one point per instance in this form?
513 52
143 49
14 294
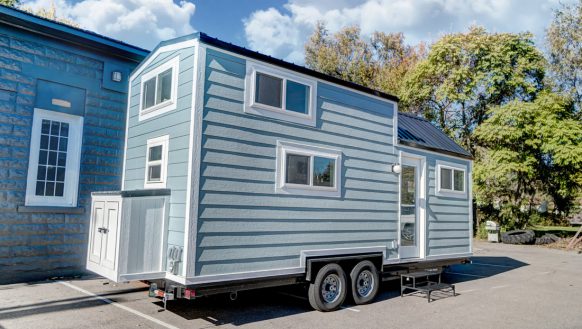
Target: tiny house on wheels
243 171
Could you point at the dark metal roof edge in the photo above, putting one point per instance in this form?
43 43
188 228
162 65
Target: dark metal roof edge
434 149
290 66
80 37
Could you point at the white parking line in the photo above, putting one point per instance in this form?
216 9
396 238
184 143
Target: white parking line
350 309
123 307
494 265
465 274
499 287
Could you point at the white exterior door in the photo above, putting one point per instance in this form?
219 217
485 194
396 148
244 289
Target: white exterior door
103 239
412 207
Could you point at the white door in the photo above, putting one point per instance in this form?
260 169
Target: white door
103 239
411 207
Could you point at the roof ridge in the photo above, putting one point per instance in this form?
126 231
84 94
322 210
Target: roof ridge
414 116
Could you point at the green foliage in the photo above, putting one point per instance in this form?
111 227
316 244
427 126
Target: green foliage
380 62
564 43
481 232
10 3
529 149
465 74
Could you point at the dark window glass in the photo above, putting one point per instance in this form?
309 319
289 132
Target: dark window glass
155 153
60 174
64 142
54 143
268 90
323 171
46 127
408 186
49 189
51 173
446 179
64 129
44 141
41 173
59 189
39 188
55 128
297 169
164 86
42 157
459 180
297 97
149 93
155 173
52 158
62 161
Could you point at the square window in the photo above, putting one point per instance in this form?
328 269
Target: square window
155 153
155 173
297 97
297 169
268 90
446 179
323 171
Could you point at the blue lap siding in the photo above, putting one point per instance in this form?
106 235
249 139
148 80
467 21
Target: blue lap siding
243 225
37 245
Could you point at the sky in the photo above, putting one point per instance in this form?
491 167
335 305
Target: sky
280 28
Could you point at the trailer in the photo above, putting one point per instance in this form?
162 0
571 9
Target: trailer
243 171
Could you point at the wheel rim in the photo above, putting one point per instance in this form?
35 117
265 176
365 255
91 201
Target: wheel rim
331 288
365 283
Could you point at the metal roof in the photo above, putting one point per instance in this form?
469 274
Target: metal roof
420 133
39 25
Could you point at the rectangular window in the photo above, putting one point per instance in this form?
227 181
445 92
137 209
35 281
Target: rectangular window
53 171
159 90
451 178
279 94
156 162
308 170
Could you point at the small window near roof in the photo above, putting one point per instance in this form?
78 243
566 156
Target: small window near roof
451 178
156 162
279 94
159 90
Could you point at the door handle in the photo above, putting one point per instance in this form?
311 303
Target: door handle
102 230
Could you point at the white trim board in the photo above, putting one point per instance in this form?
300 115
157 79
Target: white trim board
153 56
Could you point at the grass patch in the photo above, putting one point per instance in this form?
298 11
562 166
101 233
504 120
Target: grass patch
561 231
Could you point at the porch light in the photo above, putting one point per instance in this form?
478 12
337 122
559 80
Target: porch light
396 168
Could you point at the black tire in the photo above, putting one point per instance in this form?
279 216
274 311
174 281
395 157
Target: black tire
328 291
518 237
547 239
365 282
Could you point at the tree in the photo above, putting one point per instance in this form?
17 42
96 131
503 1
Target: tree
531 149
10 3
378 62
50 13
466 74
564 43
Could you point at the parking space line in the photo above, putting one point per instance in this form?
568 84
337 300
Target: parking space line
499 287
350 309
123 307
465 274
494 265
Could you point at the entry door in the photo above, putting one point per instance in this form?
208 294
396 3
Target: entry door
410 207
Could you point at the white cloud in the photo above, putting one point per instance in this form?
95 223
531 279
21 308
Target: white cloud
283 33
139 22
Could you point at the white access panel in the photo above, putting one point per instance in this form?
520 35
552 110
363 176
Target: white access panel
104 237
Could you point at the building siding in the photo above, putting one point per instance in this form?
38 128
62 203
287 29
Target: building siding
448 218
242 224
176 124
40 245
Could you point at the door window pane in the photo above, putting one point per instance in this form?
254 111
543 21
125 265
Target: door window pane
297 97
408 206
459 180
323 171
446 179
297 169
164 86
149 93
268 90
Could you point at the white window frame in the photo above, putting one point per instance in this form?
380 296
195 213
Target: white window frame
284 148
164 141
167 105
72 166
253 107
452 192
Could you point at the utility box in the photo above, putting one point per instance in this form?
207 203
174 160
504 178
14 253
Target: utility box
492 231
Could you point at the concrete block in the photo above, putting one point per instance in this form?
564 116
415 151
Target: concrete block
27 46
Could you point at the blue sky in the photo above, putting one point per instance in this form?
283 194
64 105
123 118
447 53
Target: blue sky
281 27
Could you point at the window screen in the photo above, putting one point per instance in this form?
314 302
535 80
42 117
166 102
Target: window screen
268 90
